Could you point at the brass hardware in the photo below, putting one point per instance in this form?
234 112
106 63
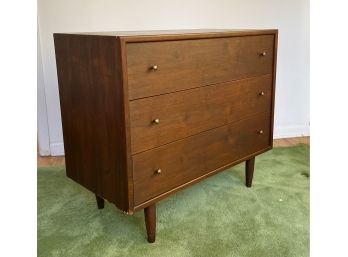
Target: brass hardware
154 67
262 93
263 54
260 132
158 171
156 121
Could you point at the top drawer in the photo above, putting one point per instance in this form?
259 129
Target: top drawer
156 68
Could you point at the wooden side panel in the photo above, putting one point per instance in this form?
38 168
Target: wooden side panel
189 112
274 73
92 110
185 160
192 63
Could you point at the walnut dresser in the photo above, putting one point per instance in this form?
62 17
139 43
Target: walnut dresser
146 114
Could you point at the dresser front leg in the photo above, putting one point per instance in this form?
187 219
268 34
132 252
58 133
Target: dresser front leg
249 171
100 202
150 221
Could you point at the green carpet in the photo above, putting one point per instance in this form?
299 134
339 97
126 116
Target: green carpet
216 217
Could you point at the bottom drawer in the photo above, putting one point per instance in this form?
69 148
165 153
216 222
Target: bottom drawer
184 160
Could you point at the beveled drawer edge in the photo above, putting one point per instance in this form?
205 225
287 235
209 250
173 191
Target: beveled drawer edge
196 180
207 130
207 85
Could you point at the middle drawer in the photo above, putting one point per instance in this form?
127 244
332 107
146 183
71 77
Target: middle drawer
162 119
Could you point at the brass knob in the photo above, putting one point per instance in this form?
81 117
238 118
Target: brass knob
158 171
154 67
260 132
156 121
263 54
262 93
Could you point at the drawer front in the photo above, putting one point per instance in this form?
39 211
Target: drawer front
189 112
192 63
187 159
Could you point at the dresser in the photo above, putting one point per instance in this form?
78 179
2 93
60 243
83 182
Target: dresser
146 114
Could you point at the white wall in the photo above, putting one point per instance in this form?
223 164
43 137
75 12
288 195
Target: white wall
291 17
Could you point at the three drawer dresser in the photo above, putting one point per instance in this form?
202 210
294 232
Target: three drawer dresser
146 114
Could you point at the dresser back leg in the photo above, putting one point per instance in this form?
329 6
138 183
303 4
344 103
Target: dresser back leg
150 221
100 202
249 171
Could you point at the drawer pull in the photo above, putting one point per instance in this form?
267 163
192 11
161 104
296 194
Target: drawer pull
262 93
260 132
158 171
263 54
156 121
154 67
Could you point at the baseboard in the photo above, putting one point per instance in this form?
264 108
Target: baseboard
44 152
291 131
57 149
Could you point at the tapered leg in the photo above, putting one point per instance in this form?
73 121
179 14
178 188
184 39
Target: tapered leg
249 171
150 221
100 202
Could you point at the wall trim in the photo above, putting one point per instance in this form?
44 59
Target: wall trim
57 149
291 131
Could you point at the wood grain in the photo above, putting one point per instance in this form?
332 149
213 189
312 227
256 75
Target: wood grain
291 141
192 63
189 112
109 97
192 157
92 108
274 73
211 92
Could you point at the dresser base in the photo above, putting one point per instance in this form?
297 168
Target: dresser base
150 211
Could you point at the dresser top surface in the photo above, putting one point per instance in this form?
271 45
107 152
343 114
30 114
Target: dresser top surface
177 34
